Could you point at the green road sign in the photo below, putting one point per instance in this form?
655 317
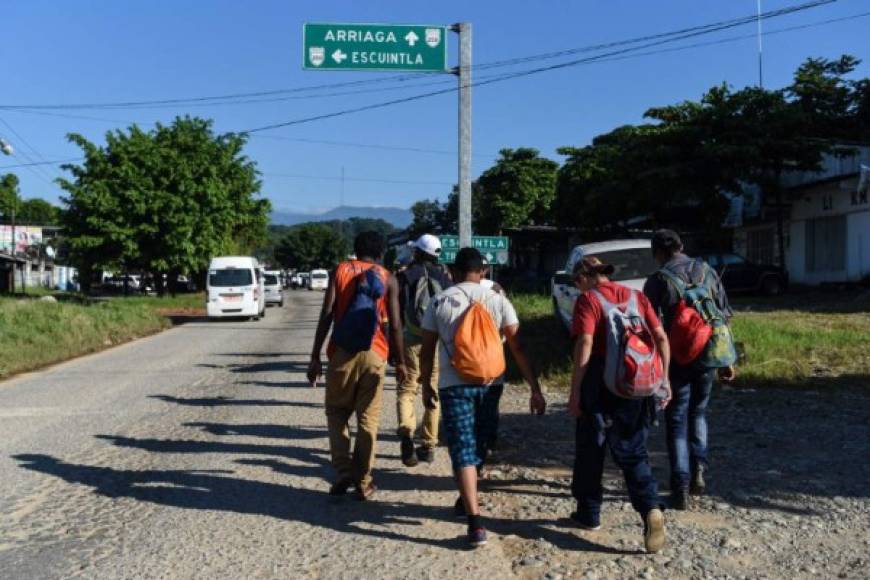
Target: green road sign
374 47
494 248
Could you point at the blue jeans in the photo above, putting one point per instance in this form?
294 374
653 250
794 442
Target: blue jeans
686 419
625 435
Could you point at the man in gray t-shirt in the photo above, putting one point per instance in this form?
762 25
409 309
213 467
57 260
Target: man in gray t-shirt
467 410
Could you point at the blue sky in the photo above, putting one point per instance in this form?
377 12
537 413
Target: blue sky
78 51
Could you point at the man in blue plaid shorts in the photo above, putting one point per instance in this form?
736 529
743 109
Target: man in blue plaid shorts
469 412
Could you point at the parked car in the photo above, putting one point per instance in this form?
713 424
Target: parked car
633 261
274 290
116 283
740 275
234 288
319 280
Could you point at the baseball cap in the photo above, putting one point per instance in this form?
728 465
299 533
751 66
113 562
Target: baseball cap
429 244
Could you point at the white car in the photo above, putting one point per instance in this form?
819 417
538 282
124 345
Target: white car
633 261
274 289
319 280
235 288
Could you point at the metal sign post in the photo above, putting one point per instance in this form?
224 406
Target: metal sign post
464 73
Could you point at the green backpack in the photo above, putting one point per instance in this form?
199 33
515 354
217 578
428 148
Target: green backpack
720 351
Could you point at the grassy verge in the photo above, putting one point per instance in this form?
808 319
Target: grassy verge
35 333
815 340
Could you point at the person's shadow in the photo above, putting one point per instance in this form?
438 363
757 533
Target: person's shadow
219 490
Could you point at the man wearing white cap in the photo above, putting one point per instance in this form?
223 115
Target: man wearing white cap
418 284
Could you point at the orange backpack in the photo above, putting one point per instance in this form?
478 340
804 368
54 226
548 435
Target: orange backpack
478 353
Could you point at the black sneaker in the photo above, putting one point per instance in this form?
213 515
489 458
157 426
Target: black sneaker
698 486
459 508
680 500
340 487
477 537
586 521
408 456
426 454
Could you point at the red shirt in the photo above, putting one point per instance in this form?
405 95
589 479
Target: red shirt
589 315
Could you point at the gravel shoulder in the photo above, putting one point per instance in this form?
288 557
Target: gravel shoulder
201 453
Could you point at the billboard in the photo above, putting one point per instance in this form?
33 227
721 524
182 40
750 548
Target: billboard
25 236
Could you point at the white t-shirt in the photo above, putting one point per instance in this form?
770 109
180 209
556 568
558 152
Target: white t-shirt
443 314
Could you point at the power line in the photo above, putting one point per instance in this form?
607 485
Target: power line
55 162
250 97
736 38
365 145
36 170
528 72
359 179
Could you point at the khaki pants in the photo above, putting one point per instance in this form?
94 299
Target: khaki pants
354 384
406 397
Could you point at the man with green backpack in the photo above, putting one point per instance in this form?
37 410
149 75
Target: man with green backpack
691 302
418 284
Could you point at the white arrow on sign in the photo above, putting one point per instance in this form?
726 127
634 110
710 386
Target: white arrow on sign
489 257
412 38
338 56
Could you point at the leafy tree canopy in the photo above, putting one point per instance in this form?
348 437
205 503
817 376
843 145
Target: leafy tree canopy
516 191
38 212
165 200
311 245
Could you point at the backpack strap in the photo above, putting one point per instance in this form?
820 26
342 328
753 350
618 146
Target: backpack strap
606 305
675 280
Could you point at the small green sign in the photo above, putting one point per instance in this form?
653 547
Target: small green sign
388 47
494 248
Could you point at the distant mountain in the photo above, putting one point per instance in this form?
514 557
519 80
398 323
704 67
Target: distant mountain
401 218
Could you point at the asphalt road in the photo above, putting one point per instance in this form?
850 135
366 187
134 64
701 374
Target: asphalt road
202 452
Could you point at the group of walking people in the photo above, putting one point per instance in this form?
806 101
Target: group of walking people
635 354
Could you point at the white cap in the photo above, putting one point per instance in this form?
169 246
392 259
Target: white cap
429 244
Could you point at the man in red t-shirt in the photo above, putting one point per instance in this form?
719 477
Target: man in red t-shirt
605 419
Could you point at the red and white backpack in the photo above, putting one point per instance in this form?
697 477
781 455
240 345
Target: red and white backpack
633 365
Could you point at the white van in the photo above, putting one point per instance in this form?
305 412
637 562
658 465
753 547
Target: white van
319 280
632 259
274 289
235 288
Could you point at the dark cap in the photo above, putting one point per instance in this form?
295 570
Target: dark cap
667 240
468 260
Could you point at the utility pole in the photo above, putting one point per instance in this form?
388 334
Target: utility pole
341 204
464 73
12 251
760 61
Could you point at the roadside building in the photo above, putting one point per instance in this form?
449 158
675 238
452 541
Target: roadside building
10 266
827 223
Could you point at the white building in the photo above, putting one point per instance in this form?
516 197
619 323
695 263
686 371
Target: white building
827 224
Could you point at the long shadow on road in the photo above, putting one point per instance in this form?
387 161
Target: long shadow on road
197 490
222 401
769 449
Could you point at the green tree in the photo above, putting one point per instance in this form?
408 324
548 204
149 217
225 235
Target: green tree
517 190
162 201
428 218
9 194
825 99
311 245
39 212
